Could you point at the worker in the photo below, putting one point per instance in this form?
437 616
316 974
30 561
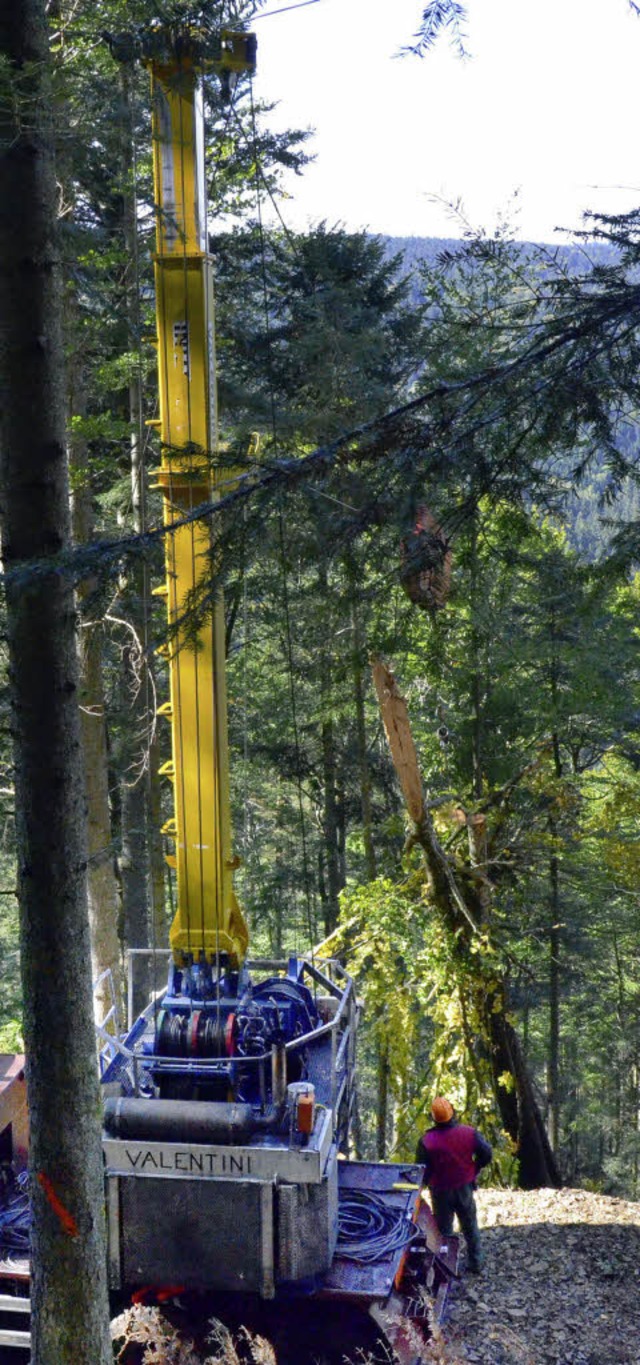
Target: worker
452 1154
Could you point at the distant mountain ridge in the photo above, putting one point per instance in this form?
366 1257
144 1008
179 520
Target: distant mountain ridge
575 256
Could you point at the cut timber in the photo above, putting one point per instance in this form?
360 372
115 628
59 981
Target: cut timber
393 708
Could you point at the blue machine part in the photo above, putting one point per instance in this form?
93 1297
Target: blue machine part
214 1034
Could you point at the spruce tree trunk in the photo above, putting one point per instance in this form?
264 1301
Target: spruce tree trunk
142 861
361 742
383 1100
553 1052
102 888
70 1315
101 883
476 686
330 828
133 873
553 1055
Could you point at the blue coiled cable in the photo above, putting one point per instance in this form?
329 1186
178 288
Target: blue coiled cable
370 1230
15 1218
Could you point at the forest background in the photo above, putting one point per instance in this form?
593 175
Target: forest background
495 385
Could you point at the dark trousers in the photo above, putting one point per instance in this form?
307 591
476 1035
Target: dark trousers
445 1204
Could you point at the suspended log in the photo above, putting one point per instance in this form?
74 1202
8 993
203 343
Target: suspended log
426 562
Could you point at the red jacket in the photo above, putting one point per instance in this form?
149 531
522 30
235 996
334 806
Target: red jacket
452 1154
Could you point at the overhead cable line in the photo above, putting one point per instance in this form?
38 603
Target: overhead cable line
261 177
303 4
97 35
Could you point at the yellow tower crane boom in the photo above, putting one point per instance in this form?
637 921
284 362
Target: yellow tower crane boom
208 922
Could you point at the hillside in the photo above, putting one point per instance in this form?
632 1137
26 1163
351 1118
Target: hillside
575 257
561 1284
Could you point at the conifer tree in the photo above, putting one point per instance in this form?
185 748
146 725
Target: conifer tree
68 1287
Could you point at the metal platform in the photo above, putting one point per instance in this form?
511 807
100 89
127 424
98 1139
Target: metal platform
407 1291
348 1279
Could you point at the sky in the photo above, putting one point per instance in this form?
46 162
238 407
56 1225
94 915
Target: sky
539 124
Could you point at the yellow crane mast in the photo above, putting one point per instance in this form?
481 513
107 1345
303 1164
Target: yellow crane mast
208 922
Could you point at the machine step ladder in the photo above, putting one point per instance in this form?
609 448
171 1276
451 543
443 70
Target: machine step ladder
15 1337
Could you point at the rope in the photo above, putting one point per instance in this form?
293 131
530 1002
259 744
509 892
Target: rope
261 178
369 1230
302 4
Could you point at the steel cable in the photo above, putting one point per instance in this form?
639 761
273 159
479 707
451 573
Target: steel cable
370 1230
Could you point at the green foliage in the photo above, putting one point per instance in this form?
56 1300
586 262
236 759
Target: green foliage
11 1039
439 16
415 990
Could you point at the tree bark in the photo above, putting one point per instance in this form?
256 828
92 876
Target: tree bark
476 686
383 1101
101 883
361 741
553 1055
555 932
519 1110
102 888
356 1130
133 874
142 864
70 1314
330 828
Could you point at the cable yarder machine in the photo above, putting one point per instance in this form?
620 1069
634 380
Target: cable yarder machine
227 1103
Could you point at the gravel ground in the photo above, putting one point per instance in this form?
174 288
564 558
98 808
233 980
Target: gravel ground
561 1284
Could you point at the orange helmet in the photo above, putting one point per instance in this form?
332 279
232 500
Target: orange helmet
441 1110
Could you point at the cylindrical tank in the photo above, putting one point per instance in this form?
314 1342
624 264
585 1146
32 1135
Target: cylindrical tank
301 1103
184 1121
